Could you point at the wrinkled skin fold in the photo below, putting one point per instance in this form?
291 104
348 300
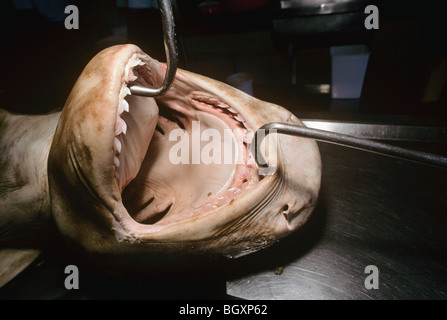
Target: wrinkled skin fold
100 174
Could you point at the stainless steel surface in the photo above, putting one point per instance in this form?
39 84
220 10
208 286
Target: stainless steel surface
382 131
313 7
167 19
372 210
320 23
323 88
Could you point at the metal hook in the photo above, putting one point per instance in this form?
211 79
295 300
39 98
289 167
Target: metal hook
167 19
341 139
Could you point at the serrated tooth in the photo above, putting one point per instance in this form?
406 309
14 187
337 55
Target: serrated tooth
123 106
137 62
234 191
116 161
126 105
210 206
238 118
223 201
121 126
117 174
231 110
117 145
210 100
124 92
124 127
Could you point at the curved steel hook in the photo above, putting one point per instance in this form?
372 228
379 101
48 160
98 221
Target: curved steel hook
167 19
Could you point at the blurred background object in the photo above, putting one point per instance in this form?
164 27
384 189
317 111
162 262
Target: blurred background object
349 64
284 45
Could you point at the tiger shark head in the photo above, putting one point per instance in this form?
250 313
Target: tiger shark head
133 176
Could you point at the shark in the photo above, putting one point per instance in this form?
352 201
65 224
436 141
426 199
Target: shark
126 179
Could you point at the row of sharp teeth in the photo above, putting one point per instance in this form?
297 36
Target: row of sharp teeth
248 175
226 196
123 105
219 104
121 126
247 136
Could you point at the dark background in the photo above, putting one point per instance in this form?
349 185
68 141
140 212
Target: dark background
371 209
41 59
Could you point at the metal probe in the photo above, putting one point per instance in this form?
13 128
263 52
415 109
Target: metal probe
341 139
167 19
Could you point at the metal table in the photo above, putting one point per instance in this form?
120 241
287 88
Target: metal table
373 210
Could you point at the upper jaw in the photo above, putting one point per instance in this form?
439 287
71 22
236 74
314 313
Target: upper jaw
81 165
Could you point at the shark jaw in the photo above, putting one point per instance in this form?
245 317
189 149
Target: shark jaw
115 190
154 190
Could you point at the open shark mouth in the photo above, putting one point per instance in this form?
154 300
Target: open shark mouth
152 136
173 174
126 179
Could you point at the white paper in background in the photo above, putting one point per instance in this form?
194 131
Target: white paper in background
349 64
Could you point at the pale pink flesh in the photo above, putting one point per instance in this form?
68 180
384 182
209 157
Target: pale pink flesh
114 191
158 191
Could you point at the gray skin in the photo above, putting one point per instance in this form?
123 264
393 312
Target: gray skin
58 171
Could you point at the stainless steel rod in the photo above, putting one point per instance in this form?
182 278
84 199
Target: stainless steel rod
344 140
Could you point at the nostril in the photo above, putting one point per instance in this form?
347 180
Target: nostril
285 212
294 217
159 129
